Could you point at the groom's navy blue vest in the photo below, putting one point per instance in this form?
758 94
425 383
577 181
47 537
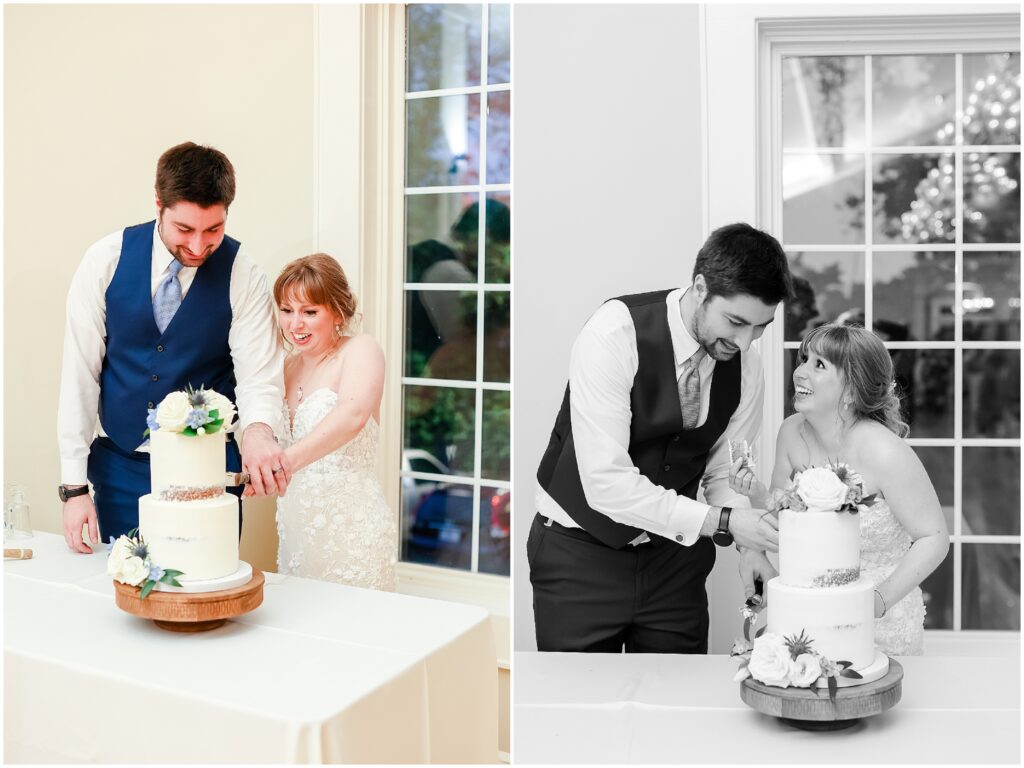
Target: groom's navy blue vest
664 452
142 365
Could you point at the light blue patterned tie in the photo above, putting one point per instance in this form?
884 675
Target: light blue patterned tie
168 297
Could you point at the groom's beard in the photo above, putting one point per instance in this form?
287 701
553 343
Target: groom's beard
179 254
718 349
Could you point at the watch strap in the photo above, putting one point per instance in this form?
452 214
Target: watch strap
721 536
723 520
66 493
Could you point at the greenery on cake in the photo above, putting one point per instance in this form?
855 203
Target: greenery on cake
784 661
191 412
131 563
834 486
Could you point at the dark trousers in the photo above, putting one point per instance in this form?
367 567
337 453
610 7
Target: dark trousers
119 479
588 597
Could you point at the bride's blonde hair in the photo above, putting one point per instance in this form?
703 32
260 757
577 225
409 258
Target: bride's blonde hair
866 368
319 279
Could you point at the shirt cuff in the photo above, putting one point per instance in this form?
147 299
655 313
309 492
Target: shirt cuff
74 471
686 520
271 420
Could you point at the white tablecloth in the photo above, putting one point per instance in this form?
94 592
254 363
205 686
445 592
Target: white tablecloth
604 708
318 673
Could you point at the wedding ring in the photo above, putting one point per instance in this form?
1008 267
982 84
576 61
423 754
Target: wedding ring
278 470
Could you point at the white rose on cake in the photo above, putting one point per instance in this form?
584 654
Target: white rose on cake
116 560
223 406
770 662
821 488
120 550
806 670
133 571
173 411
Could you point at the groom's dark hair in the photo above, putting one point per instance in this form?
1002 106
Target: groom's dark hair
194 174
739 259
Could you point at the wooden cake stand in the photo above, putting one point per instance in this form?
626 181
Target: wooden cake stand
804 709
191 611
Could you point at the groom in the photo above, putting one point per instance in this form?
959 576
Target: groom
659 383
152 309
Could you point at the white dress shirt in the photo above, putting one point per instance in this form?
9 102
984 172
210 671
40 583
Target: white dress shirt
603 365
257 356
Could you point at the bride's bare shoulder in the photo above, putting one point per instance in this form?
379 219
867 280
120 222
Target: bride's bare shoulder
876 445
791 426
363 345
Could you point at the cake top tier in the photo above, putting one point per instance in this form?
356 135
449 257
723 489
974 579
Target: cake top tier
186 468
192 412
187 435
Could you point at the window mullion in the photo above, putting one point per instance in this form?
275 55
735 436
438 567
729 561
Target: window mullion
869 200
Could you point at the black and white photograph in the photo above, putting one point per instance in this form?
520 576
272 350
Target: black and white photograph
767 373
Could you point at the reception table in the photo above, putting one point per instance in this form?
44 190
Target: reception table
629 709
319 673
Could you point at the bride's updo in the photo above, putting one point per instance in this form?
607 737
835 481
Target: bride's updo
319 279
866 369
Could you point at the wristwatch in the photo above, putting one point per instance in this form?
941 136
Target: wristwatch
722 537
66 493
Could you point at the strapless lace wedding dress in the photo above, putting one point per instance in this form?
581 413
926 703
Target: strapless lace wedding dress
883 543
333 523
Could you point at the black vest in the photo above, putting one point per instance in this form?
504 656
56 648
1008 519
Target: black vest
664 452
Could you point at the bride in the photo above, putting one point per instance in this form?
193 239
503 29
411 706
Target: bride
333 522
847 410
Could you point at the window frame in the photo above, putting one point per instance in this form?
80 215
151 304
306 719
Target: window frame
866 36
360 165
477 482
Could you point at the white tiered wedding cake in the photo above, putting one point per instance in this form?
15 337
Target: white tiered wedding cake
188 525
819 589
820 609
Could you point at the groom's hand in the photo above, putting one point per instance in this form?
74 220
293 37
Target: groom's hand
79 511
755 529
265 461
754 566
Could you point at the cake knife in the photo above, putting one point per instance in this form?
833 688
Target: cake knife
239 478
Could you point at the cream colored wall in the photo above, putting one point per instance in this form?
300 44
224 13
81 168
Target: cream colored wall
92 96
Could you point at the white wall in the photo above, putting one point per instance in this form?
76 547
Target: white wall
92 95
607 198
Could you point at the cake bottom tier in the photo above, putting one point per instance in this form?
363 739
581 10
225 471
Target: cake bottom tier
198 538
839 620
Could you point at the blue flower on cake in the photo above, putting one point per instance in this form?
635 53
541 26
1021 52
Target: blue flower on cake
130 563
192 412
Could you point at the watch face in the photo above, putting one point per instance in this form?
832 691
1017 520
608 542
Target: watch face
722 538
65 494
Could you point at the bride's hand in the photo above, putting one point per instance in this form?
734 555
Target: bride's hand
743 480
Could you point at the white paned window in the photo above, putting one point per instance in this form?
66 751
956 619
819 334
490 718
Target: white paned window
456 392
896 191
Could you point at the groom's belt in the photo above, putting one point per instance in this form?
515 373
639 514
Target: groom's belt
582 535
